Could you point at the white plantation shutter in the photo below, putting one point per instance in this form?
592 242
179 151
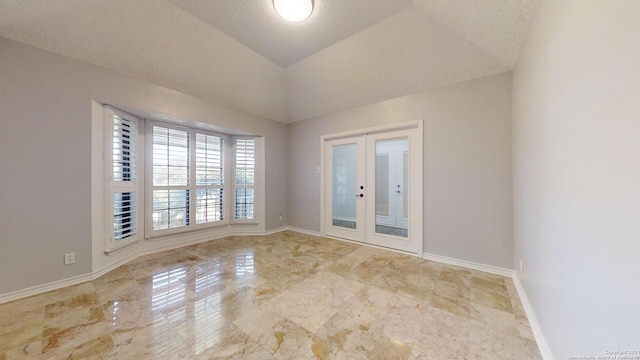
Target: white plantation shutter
209 178
124 215
124 149
122 188
186 179
162 179
170 178
245 171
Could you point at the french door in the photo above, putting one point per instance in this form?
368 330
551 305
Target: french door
346 196
373 189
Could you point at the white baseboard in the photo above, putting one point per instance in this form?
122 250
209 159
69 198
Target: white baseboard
535 326
96 274
371 245
303 231
276 230
443 259
39 289
531 316
510 273
172 246
543 346
469 264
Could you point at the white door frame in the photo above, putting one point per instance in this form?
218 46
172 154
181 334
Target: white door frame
417 191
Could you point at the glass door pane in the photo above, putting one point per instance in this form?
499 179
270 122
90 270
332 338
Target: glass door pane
382 185
345 162
391 174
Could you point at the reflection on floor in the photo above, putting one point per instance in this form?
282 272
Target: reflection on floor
285 296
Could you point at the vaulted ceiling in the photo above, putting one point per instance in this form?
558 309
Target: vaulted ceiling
241 54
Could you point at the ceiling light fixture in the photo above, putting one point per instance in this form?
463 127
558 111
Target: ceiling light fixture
293 10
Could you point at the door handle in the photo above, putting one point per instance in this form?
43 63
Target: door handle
359 195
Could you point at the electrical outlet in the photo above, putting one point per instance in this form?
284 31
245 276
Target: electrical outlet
69 258
317 169
280 218
521 265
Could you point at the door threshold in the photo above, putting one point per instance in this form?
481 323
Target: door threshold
372 245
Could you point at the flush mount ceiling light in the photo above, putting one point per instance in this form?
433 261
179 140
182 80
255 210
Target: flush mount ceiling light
293 10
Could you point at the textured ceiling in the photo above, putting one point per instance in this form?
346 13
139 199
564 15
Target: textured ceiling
435 43
255 24
239 54
498 27
399 56
151 40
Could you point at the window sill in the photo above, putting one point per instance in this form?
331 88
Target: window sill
196 232
185 233
120 248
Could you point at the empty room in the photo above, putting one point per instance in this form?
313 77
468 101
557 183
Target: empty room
320 179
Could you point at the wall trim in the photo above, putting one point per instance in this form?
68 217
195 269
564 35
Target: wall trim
276 230
533 321
470 265
543 346
304 231
42 288
75 280
370 245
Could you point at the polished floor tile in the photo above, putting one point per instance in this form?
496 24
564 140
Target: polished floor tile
283 296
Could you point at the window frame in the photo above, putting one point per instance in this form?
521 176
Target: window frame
225 179
112 187
235 186
192 187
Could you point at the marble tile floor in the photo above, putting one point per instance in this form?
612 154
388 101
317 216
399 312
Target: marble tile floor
284 296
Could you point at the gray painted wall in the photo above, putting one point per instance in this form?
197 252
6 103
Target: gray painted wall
467 165
45 156
45 132
576 161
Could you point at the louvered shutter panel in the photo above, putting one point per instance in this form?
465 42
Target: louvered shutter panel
245 170
170 178
209 178
123 185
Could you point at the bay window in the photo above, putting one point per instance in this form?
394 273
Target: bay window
166 179
188 182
